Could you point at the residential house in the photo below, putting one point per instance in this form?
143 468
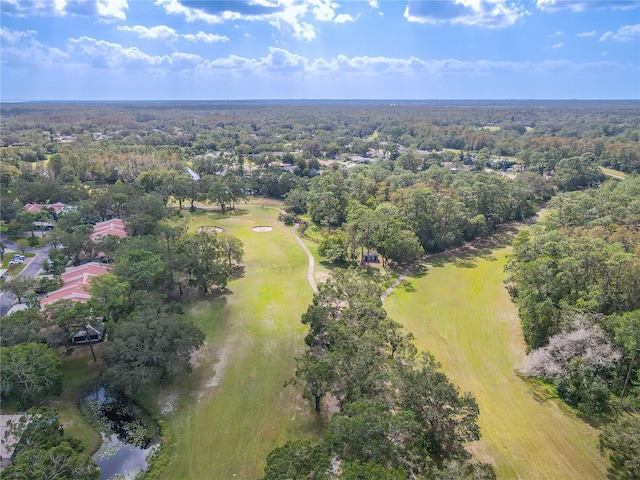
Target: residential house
36 207
77 281
114 226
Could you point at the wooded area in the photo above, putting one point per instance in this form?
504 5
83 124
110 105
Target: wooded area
364 181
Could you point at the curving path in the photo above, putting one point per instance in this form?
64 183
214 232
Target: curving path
312 262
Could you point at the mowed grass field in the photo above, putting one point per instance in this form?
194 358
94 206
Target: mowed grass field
460 310
233 409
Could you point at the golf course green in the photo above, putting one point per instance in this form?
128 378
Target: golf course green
226 416
233 410
459 310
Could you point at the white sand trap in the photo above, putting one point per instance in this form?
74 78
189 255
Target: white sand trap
262 229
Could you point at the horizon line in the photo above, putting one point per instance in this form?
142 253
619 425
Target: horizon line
97 100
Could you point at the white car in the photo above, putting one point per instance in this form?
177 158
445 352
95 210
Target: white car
17 260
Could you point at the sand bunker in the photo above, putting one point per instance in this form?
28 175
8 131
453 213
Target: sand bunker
262 229
210 229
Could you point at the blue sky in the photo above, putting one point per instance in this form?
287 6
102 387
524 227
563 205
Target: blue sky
319 49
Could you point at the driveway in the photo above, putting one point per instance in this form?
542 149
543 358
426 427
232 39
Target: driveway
33 266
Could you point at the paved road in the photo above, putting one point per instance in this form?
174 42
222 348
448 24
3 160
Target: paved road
33 265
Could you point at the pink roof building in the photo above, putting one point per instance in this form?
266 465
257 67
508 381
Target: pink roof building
77 281
115 227
36 207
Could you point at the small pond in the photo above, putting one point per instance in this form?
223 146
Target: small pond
129 435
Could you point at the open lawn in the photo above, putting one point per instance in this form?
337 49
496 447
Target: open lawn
610 172
233 410
459 310
79 372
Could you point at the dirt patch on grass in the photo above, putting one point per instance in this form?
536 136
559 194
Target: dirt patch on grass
210 229
262 229
167 402
219 367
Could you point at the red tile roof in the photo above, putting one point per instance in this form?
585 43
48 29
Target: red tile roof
115 226
36 207
77 281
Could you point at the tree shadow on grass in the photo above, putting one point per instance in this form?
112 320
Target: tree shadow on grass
468 254
418 271
380 277
237 271
407 286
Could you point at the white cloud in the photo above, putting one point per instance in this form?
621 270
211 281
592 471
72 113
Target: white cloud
323 10
584 5
103 54
280 62
344 18
154 33
480 13
592 33
557 45
292 17
105 10
205 37
112 9
374 4
13 36
624 34
21 49
557 34
163 32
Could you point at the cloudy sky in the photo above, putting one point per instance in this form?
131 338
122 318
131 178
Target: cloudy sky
319 49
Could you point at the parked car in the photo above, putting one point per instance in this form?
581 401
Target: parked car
17 260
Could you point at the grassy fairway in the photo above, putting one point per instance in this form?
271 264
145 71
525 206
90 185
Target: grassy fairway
461 312
614 173
233 410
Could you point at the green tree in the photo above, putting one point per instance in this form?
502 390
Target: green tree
20 327
232 247
204 260
583 389
140 268
19 286
30 371
358 470
626 329
63 319
22 244
315 373
366 431
108 295
44 453
448 419
149 349
298 460
335 247
61 461
621 440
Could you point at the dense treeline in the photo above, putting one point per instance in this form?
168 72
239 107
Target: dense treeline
399 416
576 280
401 214
398 179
